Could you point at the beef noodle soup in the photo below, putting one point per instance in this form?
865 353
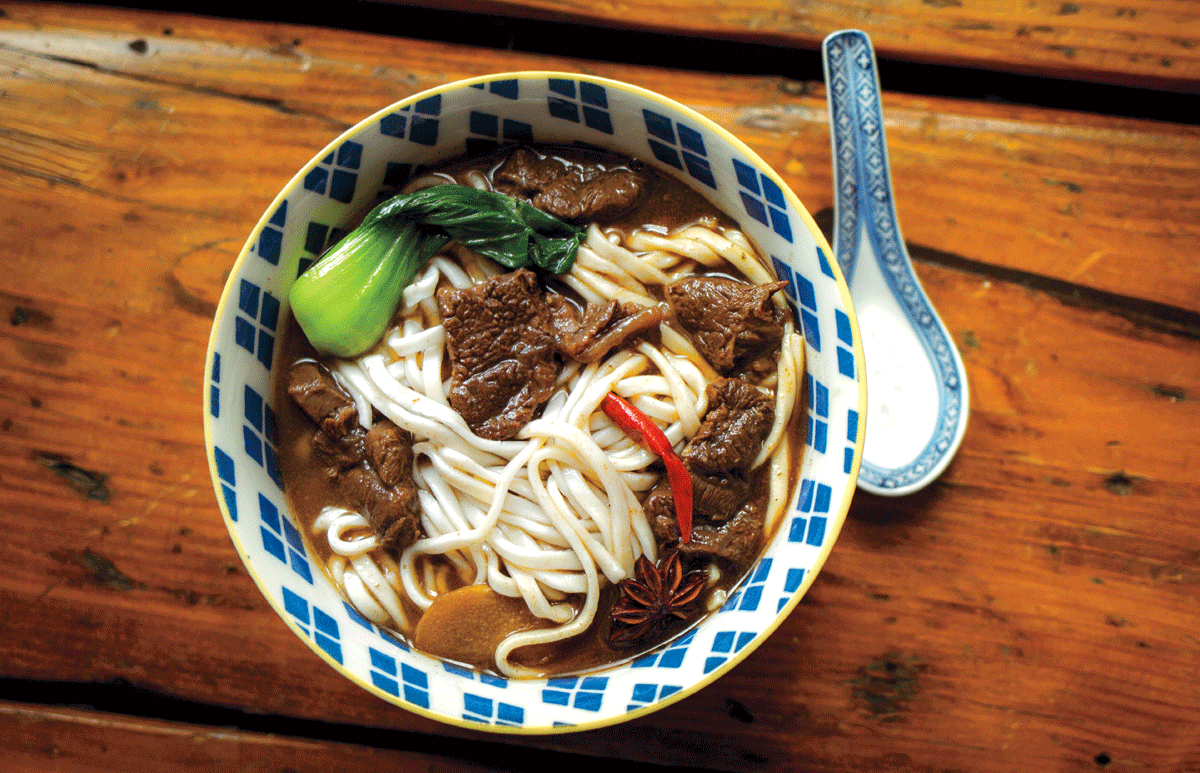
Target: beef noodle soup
471 484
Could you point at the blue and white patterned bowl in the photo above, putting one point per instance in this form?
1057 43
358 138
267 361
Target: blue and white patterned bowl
475 116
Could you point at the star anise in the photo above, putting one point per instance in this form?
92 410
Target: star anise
655 597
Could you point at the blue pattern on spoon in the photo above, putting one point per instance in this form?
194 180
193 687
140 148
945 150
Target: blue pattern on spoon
917 400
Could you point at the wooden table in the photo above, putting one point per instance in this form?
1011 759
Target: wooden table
1037 609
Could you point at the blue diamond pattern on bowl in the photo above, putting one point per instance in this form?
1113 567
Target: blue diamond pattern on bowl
214 387
645 694
478 708
749 593
412 685
802 291
424 127
258 434
763 199
585 693
227 475
324 630
417 123
508 88
384 671
494 131
256 329
679 145
271 237
336 175
851 436
818 415
725 645
672 656
570 101
792 583
280 539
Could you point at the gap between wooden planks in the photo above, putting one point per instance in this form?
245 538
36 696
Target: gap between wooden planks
1142 42
36 738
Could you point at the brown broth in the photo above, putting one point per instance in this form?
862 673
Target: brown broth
669 207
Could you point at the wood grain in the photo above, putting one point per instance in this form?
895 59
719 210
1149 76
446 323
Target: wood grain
1077 198
1151 43
54 739
1035 609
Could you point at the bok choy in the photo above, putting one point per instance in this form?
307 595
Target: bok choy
345 301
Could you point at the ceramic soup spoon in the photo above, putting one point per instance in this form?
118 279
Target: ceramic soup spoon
917 401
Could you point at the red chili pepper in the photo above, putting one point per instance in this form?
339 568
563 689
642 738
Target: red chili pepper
642 429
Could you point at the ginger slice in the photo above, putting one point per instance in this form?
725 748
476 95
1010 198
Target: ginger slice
467 624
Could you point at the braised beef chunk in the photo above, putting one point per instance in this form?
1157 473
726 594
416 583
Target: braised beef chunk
573 330
735 540
389 449
315 391
574 192
739 418
726 521
727 319
383 489
601 328
392 511
341 453
718 497
371 470
501 351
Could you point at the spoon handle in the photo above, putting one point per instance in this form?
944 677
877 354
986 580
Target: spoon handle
917 390
862 177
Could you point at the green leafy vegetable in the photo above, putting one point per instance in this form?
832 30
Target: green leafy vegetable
513 233
345 301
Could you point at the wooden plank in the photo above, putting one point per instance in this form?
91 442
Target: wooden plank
35 739
1103 203
1037 604
1150 43
59 739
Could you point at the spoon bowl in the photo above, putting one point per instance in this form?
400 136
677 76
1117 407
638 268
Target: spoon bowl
918 402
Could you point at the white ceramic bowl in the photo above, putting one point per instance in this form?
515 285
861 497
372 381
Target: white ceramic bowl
343 179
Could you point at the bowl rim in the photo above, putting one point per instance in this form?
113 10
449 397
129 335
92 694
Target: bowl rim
835 522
